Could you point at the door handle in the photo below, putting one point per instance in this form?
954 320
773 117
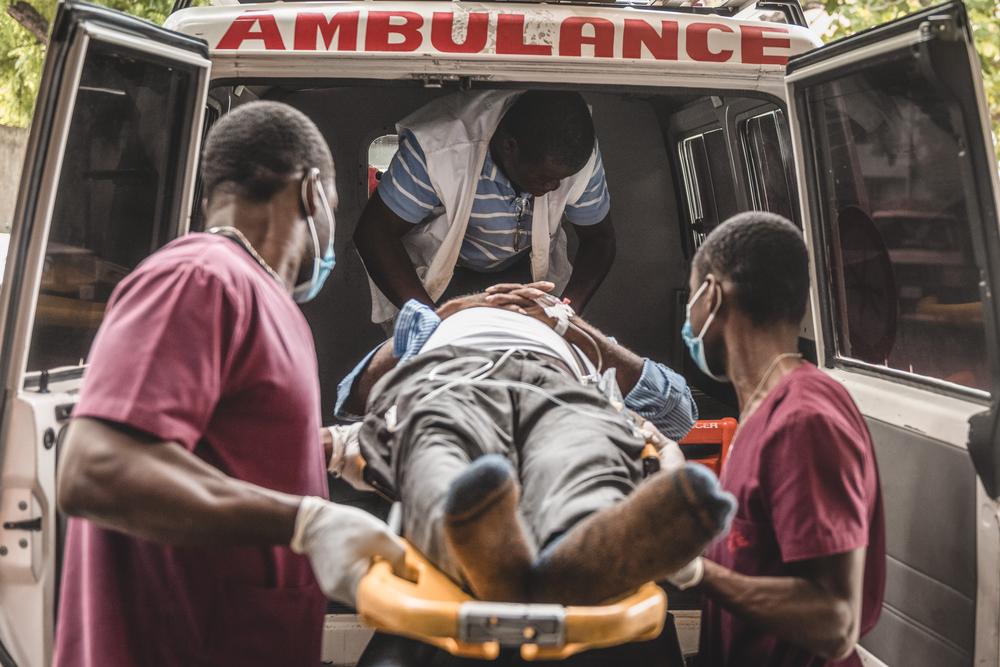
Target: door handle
31 525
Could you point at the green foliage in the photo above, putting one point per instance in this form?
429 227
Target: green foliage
21 56
850 16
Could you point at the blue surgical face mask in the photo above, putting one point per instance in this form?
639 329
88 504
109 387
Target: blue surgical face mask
322 263
696 344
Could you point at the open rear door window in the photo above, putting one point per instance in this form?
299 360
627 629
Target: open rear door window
898 184
902 184
107 180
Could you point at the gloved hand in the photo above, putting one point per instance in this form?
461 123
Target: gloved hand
340 542
346 461
688 576
671 457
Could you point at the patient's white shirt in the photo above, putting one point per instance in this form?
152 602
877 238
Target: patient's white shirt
492 329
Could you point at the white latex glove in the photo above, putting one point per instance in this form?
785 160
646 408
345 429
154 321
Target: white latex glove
340 542
346 461
671 457
688 576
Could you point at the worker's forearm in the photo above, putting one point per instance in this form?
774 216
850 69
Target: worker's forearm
593 260
627 364
383 362
793 608
390 267
162 492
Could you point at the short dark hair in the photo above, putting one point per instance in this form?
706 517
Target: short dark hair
256 148
764 256
551 124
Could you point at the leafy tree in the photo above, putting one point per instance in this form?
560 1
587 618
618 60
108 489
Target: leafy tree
850 16
22 51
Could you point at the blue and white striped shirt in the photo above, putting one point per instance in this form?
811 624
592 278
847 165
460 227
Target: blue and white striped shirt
500 224
661 395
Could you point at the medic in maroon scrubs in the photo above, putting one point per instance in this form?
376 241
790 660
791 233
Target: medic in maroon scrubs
800 576
194 458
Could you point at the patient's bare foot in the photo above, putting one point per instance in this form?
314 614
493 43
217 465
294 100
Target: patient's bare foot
485 533
665 523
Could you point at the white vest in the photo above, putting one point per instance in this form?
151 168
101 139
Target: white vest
454 132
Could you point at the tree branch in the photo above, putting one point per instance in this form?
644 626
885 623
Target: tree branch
30 20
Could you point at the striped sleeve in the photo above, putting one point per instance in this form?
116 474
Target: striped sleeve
663 397
595 202
414 325
406 186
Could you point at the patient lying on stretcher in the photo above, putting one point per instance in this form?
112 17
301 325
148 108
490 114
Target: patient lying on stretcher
520 474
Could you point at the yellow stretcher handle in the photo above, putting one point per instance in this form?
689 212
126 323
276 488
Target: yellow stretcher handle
434 610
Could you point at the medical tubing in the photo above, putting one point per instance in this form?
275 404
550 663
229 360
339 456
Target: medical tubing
562 313
480 376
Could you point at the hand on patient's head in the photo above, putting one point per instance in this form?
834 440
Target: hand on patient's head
524 299
505 288
508 296
458 304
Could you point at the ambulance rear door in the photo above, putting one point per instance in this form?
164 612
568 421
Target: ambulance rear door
107 179
898 187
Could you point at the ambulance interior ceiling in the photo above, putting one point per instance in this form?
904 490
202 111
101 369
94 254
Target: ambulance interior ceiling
638 134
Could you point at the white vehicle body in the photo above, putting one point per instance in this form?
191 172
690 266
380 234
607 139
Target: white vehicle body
692 106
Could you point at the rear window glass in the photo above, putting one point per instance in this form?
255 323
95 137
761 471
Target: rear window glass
767 160
708 182
115 197
905 284
380 154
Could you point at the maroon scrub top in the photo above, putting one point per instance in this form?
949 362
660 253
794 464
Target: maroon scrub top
803 471
202 347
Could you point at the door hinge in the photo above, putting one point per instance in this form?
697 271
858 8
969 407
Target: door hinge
944 27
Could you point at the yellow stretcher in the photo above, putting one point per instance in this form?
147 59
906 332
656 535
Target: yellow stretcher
428 606
431 608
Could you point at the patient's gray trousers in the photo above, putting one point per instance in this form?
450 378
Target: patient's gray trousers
572 459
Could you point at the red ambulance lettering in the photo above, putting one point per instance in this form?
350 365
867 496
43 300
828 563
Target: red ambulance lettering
476 33
310 25
661 45
697 43
753 41
571 39
381 27
510 38
243 29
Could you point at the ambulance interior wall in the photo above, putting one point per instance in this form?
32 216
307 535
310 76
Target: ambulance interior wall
636 302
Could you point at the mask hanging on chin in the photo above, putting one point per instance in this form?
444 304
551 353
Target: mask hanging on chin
323 262
696 344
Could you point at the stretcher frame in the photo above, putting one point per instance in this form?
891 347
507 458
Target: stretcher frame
428 606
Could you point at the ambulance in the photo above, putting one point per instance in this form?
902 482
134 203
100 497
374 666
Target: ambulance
877 145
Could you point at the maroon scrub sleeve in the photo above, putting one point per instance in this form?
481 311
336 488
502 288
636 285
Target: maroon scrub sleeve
813 480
